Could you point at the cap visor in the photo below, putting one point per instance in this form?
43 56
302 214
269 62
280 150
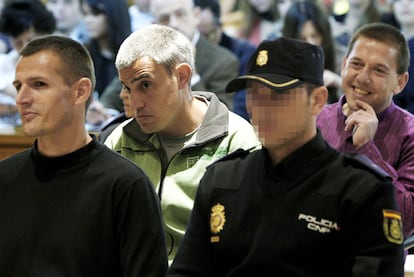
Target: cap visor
236 84
273 81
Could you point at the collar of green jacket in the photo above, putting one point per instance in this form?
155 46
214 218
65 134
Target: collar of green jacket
215 123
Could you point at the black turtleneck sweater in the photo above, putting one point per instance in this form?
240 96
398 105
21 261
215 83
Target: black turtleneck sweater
88 213
317 213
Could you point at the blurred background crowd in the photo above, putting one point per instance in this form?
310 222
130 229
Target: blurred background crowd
224 32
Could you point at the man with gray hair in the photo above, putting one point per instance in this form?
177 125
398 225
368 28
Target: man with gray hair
215 66
176 133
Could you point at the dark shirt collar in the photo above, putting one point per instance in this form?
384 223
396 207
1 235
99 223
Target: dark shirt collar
45 163
298 162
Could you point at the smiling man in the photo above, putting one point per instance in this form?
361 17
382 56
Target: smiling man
365 120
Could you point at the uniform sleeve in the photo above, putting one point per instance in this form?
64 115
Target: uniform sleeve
373 235
140 232
194 257
403 180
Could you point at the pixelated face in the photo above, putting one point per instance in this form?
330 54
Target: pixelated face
177 14
44 99
369 74
279 119
154 95
66 12
404 11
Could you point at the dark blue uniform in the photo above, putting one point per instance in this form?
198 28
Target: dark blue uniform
317 213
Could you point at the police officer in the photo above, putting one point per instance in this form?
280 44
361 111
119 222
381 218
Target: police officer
297 207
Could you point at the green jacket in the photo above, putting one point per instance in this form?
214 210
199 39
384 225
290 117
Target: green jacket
176 181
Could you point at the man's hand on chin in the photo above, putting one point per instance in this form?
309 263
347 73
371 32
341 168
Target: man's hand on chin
363 122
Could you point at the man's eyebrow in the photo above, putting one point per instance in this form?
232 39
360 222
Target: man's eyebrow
141 76
383 66
31 79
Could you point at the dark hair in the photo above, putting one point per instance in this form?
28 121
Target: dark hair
303 11
271 15
212 5
372 14
119 22
310 87
76 60
18 16
388 34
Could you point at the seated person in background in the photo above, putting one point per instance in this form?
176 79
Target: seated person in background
69 19
233 15
365 120
5 45
140 14
21 21
215 66
306 20
358 13
297 207
72 206
404 13
113 122
110 97
176 133
210 27
108 24
262 20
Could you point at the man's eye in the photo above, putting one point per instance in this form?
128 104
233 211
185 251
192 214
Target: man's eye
181 14
145 85
39 84
355 64
125 88
164 19
381 71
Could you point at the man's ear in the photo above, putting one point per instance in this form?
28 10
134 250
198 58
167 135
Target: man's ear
402 80
184 73
319 96
83 90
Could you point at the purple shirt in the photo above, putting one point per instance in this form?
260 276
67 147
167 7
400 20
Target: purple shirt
392 149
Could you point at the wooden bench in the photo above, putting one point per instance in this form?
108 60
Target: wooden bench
13 141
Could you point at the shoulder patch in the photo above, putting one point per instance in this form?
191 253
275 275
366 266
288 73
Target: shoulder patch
392 226
364 161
